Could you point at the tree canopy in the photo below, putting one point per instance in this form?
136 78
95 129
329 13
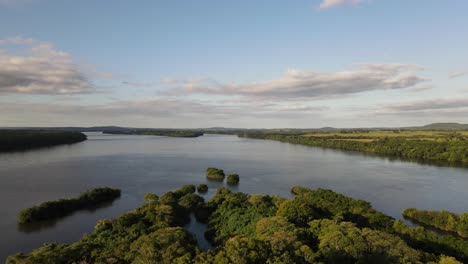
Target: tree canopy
315 226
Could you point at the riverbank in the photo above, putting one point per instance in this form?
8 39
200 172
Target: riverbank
432 146
17 140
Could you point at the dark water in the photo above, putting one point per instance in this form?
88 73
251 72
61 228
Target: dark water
141 164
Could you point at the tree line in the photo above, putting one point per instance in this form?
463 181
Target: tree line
13 140
166 133
453 151
62 207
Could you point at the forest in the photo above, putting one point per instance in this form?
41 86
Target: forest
15 140
59 208
315 226
426 146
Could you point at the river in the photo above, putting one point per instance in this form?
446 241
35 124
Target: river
142 164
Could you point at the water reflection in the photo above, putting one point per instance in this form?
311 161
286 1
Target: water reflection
198 230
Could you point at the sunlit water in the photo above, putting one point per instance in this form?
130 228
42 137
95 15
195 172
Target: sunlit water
142 164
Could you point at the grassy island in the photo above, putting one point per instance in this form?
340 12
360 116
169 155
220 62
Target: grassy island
53 209
215 174
441 220
232 179
167 133
15 140
427 146
316 226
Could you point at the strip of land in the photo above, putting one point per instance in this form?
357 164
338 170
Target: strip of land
444 146
59 208
166 133
441 220
15 140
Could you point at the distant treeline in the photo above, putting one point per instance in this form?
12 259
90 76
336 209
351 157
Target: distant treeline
12 140
53 209
167 133
454 151
442 220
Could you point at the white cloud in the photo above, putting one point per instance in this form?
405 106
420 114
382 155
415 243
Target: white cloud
336 3
429 105
458 74
29 66
304 85
156 112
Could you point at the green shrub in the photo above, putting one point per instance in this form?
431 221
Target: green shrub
233 179
202 188
215 174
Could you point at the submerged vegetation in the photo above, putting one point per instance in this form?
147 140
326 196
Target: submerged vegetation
445 146
215 174
153 132
316 226
53 209
14 140
442 220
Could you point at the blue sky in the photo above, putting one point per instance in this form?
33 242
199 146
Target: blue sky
342 63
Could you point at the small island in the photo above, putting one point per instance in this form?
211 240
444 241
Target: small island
59 208
233 179
17 140
215 174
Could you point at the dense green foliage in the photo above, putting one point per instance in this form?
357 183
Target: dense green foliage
442 220
232 179
12 140
452 149
166 133
316 226
53 209
215 174
202 188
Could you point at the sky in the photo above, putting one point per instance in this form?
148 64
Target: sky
244 63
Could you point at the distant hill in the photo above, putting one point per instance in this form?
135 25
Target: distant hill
445 126
224 130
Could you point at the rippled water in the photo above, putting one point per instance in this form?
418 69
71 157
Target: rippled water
141 164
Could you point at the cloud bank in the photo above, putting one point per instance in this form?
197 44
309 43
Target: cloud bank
430 105
304 85
39 68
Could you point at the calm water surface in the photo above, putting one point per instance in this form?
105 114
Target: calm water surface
142 164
